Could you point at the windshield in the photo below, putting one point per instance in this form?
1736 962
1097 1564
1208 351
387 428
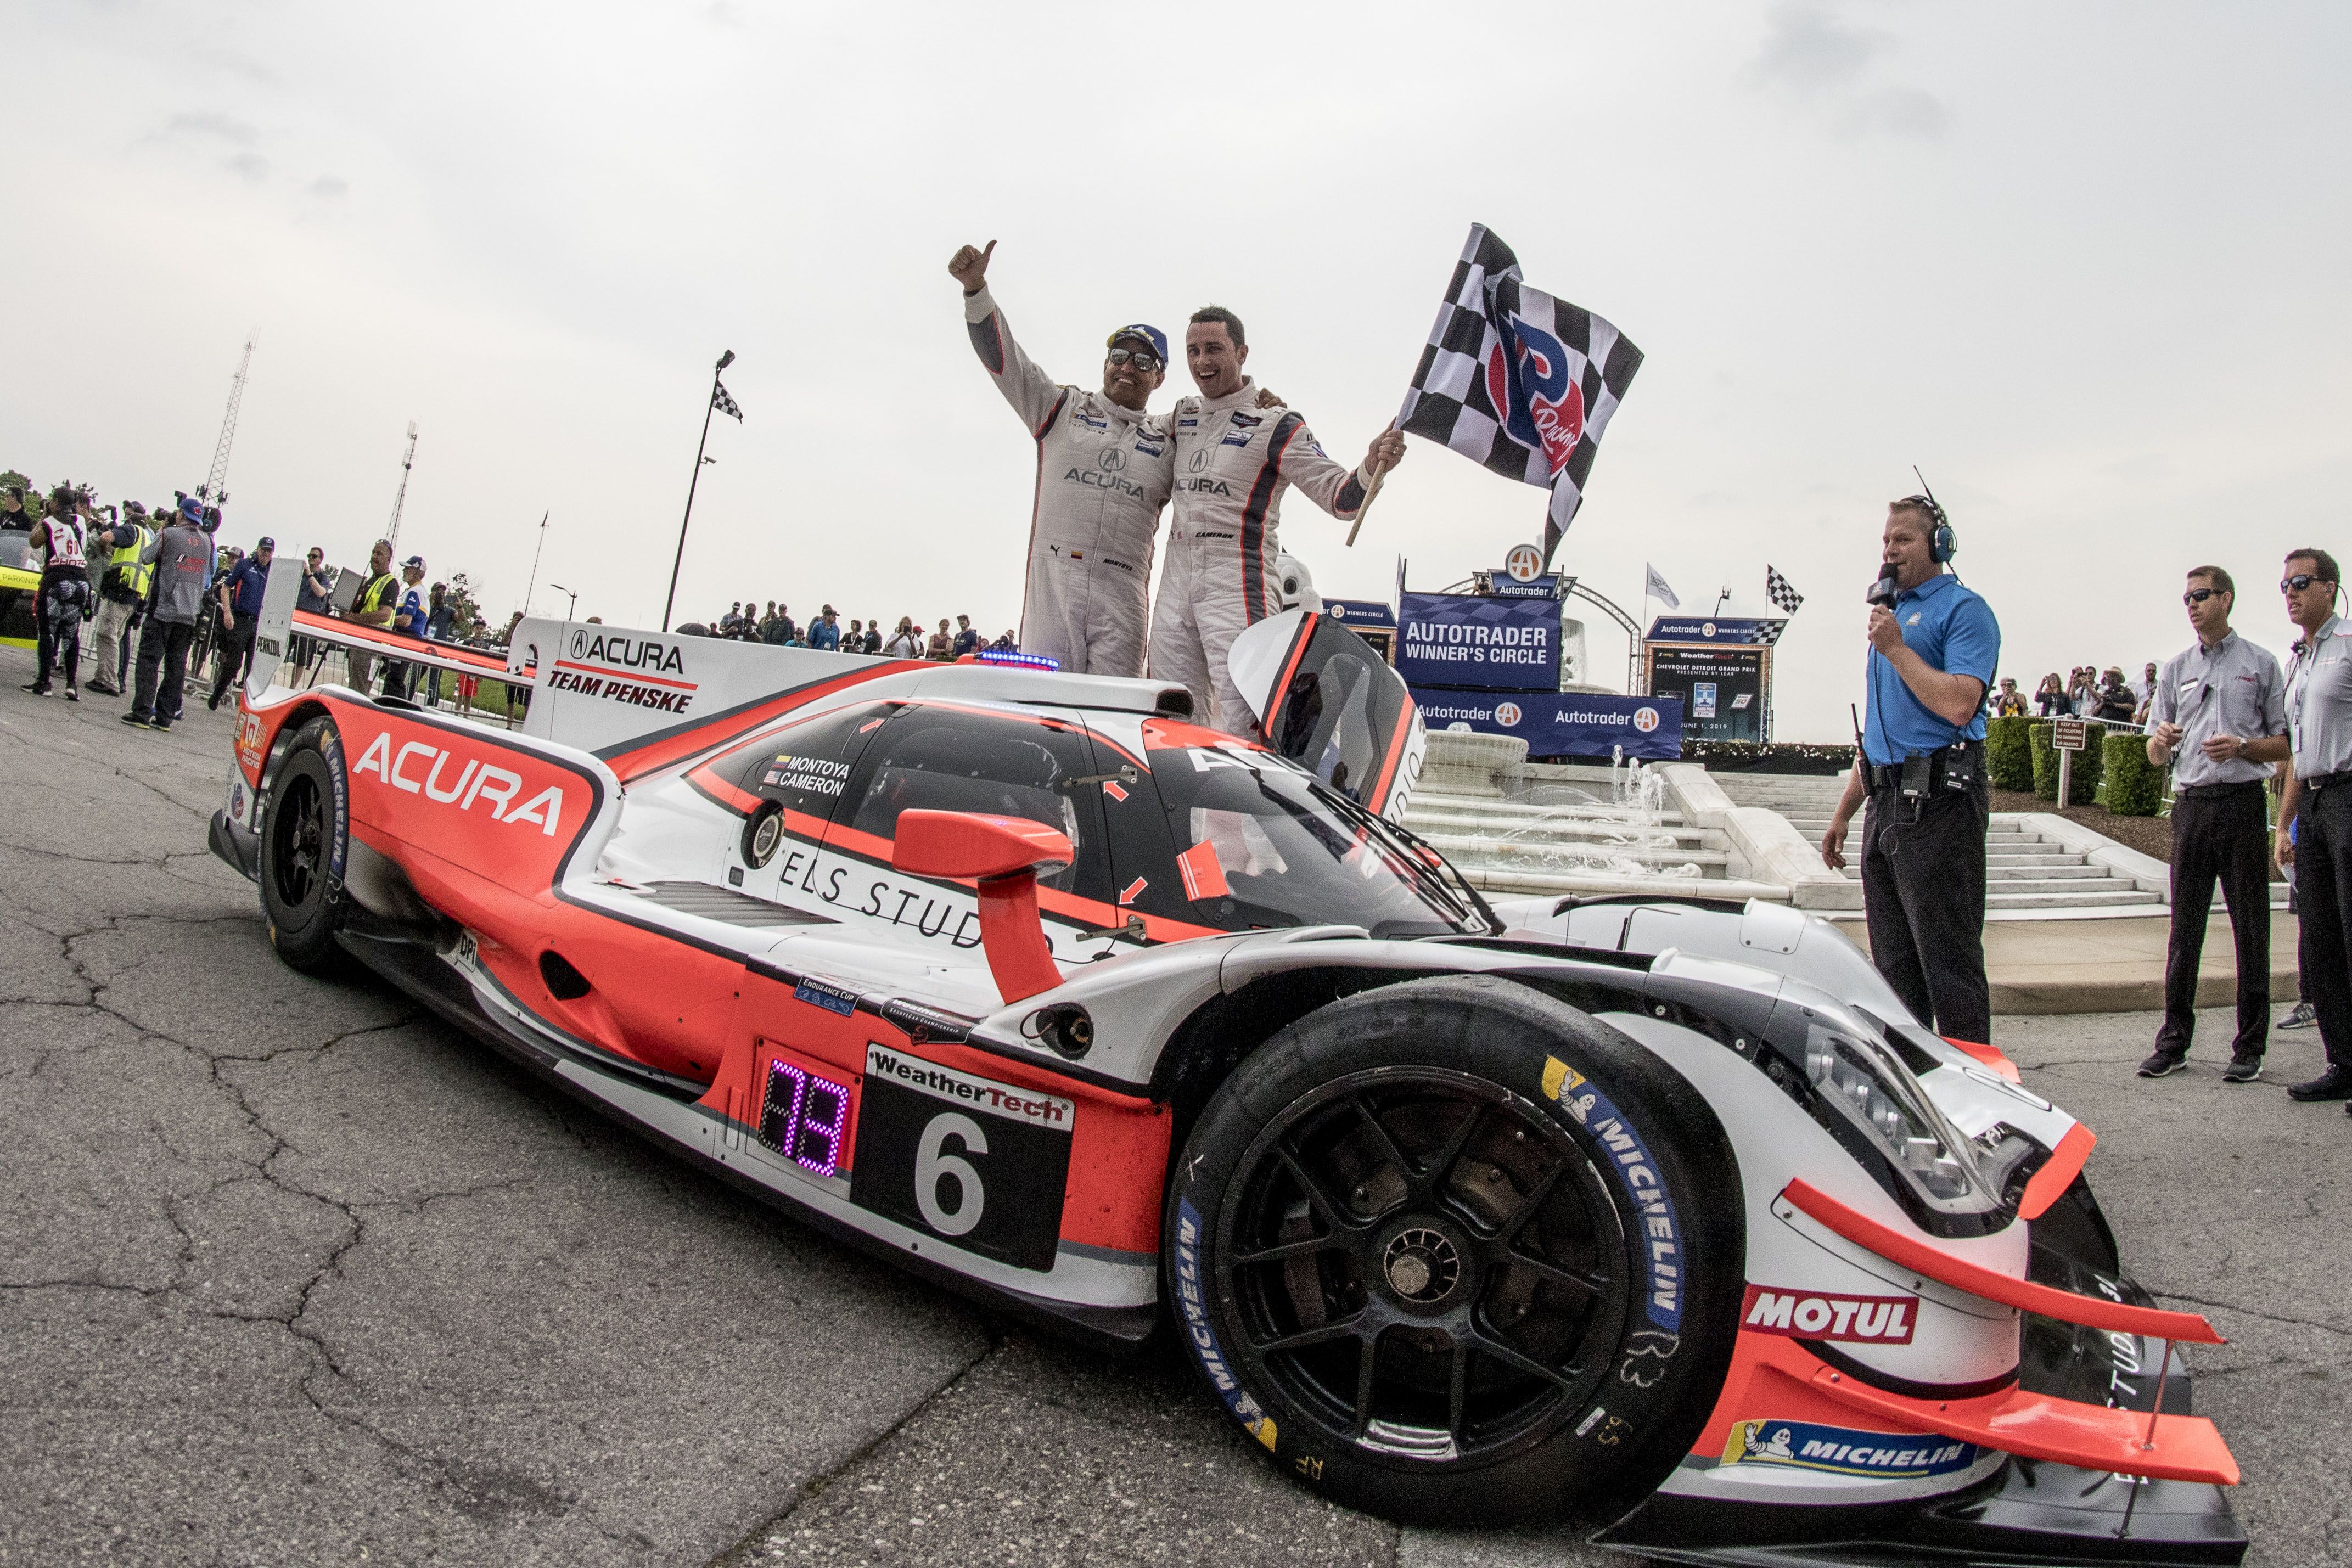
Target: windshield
1260 842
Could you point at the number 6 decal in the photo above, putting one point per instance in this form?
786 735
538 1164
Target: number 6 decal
932 1162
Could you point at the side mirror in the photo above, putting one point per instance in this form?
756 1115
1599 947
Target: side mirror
1001 855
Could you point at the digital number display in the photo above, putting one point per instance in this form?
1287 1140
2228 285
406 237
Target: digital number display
804 1117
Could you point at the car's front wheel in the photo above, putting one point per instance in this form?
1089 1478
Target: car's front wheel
305 836
1455 1252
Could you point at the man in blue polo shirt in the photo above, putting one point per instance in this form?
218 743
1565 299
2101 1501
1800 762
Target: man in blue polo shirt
241 593
1933 651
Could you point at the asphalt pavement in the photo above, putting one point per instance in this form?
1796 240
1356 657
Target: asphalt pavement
291 1274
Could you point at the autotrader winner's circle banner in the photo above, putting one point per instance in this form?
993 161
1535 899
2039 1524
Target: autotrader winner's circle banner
1564 724
1471 640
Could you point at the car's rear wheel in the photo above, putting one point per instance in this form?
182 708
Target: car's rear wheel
305 836
1455 1252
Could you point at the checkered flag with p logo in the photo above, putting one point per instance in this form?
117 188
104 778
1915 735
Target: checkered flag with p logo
1777 589
1518 380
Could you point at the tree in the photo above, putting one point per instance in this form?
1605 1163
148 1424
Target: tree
465 609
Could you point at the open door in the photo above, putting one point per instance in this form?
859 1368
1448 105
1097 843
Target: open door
1326 700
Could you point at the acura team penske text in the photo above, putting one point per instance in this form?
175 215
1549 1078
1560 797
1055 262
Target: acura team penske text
1465 1211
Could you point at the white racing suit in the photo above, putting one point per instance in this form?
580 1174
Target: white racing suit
1233 460
1103 474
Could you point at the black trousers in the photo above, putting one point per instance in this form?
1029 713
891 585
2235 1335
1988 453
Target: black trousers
236 656
2223 837
1923 889
163 651
2323 896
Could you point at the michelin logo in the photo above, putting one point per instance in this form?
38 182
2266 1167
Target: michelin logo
1801 1445
1637 1172
1202 1338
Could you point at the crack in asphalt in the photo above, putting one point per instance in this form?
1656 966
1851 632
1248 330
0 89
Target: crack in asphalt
754 1547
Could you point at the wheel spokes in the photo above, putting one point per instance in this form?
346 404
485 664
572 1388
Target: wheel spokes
1284 1249
1368 1357
1489 1345
1334 1213
1342 1328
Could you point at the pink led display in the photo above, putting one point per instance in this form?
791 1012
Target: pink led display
804 1117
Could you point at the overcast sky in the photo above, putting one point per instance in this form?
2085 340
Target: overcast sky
2085 265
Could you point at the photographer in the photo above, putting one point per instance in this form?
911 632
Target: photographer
1933 647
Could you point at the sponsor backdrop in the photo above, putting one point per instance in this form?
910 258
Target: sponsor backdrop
1564 724
1722 688
1489 644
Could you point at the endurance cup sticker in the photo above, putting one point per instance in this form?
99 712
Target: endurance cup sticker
1201 1337
1801 1445
1637 1172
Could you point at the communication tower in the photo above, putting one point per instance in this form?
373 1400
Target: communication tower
407 461
215 485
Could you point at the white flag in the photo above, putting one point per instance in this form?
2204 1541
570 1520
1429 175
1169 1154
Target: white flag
1658 589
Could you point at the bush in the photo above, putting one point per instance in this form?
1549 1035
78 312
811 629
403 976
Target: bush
2009 754
2135 784
2085 782
1749 756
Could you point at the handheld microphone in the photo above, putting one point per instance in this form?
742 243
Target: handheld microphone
1883 590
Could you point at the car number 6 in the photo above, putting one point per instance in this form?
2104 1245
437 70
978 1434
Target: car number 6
932 1162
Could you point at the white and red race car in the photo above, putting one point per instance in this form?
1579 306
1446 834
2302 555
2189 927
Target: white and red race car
1466 1212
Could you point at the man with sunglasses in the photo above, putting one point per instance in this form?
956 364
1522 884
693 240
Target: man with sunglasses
2317 805
2218 716
1104 471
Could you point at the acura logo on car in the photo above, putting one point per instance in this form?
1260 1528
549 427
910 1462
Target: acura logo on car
416 768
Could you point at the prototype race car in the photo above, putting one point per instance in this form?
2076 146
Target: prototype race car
1467 1212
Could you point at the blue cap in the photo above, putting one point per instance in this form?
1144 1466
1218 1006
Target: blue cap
1152 335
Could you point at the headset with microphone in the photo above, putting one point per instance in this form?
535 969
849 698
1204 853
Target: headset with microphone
1943 544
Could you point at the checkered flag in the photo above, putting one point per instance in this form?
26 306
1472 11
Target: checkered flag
722 402
1521 382
1777 590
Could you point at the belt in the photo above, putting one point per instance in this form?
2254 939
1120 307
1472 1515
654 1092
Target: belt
2319 781
2214 791
1890 777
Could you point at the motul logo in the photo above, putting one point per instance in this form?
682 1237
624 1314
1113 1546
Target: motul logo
1856 1320
417 769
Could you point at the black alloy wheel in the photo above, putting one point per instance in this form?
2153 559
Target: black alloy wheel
297 833
305 834
1425 1262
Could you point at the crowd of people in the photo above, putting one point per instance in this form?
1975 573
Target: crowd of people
748 621
2087 692
157 582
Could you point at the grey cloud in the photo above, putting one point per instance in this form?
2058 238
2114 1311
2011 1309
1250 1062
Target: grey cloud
207 123
725 14
251 167
1810 50
1899 111
328 187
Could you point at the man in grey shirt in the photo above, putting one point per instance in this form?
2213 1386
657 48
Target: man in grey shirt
2318 803
184 568
2218 715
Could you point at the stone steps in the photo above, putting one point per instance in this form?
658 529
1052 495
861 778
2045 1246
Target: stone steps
1488 853
2077 898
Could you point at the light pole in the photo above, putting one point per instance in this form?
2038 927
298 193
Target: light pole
574 595
710 406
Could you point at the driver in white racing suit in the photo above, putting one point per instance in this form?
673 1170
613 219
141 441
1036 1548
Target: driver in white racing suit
1104 467
1233 460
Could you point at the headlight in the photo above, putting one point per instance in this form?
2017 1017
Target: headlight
1870 1088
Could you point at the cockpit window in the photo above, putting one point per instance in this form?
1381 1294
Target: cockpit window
954 760
1260 842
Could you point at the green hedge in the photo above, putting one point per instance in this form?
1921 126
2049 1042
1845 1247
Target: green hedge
2135 784
2087 763
2009 754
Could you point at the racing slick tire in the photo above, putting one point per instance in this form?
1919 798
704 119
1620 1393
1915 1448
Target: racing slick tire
305 838
1455 1252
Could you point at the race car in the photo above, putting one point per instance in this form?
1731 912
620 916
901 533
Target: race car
1464 1211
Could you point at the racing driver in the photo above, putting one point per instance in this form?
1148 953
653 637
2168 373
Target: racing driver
1233 463
1103 473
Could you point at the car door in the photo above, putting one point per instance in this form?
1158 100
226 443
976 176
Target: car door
1336 707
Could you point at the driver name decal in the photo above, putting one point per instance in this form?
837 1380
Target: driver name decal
1637 1172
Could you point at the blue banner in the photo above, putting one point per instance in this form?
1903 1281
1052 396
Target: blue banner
1356 613
1705 628
1470 640
1565 724
1546 587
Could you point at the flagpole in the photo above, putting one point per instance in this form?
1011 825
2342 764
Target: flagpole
709 406
1371 491
533 585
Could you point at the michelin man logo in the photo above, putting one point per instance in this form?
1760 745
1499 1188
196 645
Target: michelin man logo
1760 1446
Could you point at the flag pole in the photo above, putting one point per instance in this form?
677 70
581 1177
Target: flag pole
1372 492
532 586
709 406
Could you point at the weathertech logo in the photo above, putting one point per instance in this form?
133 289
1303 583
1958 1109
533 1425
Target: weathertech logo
1853 1319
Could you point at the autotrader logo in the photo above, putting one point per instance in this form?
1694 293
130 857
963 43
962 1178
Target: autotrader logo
1645 719
1507 714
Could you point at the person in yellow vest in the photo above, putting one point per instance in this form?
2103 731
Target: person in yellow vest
127 550
378 597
